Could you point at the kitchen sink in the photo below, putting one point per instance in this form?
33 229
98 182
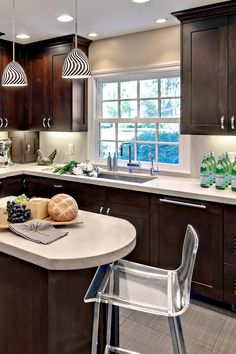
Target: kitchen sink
126 178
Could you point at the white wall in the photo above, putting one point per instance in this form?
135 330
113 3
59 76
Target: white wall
141 49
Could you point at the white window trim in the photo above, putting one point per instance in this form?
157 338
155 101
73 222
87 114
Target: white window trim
185 140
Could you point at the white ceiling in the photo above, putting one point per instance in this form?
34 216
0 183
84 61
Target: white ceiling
106 17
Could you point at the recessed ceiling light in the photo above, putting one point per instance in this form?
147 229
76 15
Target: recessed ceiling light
64 18
92 34
140 1
22 36
161 20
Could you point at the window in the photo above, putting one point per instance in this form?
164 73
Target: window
145 111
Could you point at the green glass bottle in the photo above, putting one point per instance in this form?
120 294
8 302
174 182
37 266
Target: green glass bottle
211 171
233 176
220 174
225 164
213 161
204 173
229 165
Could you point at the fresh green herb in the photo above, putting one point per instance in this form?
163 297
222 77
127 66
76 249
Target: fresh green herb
66 169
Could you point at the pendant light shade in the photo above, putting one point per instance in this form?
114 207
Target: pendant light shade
76 64
13 74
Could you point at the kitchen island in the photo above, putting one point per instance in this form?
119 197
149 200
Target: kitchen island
42 286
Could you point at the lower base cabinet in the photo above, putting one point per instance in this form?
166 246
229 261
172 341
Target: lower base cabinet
230 255
43 311
207 218
10 186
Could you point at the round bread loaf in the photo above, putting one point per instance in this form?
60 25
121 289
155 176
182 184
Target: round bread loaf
62 207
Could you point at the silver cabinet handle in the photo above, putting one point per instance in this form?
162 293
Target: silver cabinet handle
222 122
108 211
44 124
1 122
49 122
232 123
169 201
27 148
6 122
101 210
57 185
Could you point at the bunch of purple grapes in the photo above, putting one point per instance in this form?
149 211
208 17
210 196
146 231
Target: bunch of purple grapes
17 212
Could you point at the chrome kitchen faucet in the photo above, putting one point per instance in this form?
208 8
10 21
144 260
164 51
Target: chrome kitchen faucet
131 165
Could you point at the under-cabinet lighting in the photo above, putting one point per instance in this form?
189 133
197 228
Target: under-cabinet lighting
92 34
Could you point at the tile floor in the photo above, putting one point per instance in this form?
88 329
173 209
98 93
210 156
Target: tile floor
207 330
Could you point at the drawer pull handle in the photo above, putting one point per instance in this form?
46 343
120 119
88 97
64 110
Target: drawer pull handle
234 246
44 120
222 122
1 122
235 286
232 123
169 201
6 122
49 122
108 211
101 210
58 185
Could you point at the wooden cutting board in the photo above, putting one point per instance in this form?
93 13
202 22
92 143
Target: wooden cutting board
4 224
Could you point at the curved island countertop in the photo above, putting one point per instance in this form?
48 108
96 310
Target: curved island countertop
100 239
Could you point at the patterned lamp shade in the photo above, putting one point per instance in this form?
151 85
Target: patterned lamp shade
76 65
14 75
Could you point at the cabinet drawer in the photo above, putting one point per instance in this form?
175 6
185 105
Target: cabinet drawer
230 284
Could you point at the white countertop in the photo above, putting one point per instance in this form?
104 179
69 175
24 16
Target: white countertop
100 239
163 185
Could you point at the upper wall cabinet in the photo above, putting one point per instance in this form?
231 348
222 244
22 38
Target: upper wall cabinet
10 109
208 69
54 104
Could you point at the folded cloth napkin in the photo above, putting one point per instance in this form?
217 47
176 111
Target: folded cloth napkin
37 231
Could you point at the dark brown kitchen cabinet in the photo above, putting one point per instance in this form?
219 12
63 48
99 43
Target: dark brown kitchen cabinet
134 207
10 108
55 104
230 255
207 218
208 69
89 197
11 186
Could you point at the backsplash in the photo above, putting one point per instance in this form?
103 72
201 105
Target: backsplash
48 141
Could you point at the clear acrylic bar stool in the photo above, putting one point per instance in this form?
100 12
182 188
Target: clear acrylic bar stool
147 289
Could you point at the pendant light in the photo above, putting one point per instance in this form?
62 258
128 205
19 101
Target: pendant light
76 64
13 74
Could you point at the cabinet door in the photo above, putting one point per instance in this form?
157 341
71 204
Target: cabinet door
11 186
204 77
38 90
134 207
208 222
230 254
10 96
232 74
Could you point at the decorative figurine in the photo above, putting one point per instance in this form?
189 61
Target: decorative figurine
41 160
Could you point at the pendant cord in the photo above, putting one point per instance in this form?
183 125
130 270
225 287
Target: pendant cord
13 30
76 19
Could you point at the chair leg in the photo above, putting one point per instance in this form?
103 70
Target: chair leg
109 322
181 336
95 328
173 334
